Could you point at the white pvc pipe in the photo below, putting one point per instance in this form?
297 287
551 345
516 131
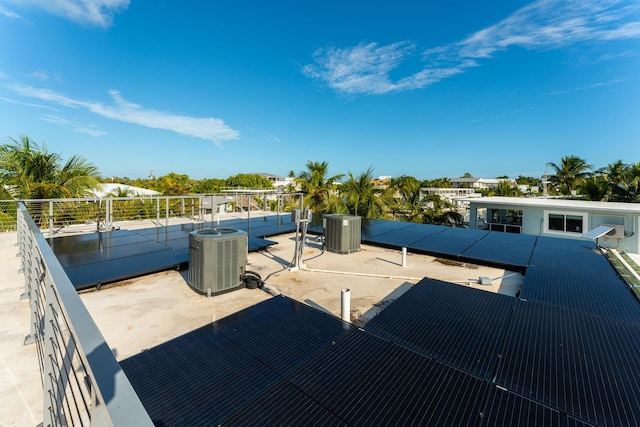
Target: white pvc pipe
345 299
404 257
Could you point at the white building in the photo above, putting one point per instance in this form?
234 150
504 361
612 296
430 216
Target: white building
481 183
570 219
115 189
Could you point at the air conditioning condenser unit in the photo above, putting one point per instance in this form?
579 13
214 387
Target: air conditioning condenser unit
217 259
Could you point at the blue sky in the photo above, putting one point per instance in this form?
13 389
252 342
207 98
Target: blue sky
213 89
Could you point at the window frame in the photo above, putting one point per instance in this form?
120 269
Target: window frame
565 214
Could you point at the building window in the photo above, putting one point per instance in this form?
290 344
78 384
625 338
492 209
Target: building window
563 222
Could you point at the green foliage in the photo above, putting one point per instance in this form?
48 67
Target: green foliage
569 174
319 188
173 184
360 197
28 171
248 181
208 185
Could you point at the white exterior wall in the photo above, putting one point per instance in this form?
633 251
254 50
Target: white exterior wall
535 221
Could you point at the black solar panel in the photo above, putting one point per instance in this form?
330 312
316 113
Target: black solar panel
395 238
285 405
461 327
200 378
91 274
508 409
573 362
440 245
510 238
367 381
210 374
282 333
585 260
502 254
467 233
562 244
588 293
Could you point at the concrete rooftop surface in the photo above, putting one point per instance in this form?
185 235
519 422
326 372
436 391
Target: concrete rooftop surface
140 313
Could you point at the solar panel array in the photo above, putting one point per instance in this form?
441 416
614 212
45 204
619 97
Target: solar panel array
565 353
98 258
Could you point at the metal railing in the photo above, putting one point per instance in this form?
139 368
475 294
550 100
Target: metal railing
55 215
83 384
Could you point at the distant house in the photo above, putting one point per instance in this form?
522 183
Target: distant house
115 189
569 219
277 180
481 183
457 196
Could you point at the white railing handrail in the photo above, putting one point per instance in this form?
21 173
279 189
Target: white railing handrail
65 332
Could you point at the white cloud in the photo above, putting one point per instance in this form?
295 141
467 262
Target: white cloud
72 125
541 25
88 12
40 75
208 128
10 14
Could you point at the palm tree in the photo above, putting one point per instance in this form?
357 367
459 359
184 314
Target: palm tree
317 187
31 172
631 185
616 174
440 212
595 188
569 174
506 189
403 198
360 197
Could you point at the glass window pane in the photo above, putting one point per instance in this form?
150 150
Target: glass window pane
556 222
574 223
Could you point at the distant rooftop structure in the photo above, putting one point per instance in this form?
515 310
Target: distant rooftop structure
119 190
277 180
564 218
480 183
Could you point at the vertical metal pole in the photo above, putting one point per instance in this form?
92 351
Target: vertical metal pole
249 215
49 392
166 209
50 217
158 210
404 257
212 211
345 299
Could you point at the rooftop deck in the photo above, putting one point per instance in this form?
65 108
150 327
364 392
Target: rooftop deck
141 313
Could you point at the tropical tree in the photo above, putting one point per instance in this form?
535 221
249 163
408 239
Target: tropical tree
173 184
403 199
248 180
629 190
28 171
595 188
317 186
569 174
440 212
360 197
506 189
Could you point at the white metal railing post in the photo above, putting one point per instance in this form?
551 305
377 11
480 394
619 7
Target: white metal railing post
158 210
50 395
50 217
83 384
212 210
166 209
